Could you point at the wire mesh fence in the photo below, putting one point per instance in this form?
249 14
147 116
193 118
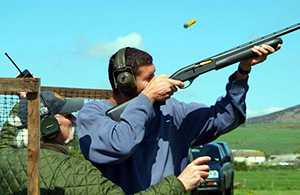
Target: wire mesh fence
9 99
19 143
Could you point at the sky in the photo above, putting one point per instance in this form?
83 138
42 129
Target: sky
68 43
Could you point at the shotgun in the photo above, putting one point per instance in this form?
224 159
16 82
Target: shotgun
229 57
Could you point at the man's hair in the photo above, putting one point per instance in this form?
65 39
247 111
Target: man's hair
134 58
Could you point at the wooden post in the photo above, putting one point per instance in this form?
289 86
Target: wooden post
103 94
32 86
20 84
80 92
33 143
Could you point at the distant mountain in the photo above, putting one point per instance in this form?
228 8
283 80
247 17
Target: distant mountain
291 114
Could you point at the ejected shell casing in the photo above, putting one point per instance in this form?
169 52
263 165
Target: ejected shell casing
190 23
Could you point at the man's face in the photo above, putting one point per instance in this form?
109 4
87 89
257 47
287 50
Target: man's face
66 121
143 76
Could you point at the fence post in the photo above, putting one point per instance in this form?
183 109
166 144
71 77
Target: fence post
32 86
33 143
272 185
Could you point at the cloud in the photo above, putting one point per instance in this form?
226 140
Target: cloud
254 113
253 36
185 93
106 49
57 63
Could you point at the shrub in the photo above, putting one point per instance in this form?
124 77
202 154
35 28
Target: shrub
240 166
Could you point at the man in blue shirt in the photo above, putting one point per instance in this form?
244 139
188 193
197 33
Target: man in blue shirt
151 141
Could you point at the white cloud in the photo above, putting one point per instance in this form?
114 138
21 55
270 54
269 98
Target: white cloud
185 93
57 63
106 49
254 113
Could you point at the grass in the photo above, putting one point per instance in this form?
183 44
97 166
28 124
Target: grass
282 138
265 192
267 182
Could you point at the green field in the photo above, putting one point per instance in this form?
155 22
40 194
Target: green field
283 138
266 180
265 192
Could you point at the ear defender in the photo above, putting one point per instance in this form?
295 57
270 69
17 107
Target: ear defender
49 124
49 127
123 75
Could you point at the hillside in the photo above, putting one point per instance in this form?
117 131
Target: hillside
289 115
267 137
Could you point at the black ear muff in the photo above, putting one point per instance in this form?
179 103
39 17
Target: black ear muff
49 127
123 75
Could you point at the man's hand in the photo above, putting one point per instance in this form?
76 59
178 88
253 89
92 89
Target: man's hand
195 174
161 87
262 53
22 95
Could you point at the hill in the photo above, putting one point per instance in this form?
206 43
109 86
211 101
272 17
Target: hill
271 138
289 115
268 133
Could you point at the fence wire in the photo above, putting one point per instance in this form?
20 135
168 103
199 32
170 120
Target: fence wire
14 133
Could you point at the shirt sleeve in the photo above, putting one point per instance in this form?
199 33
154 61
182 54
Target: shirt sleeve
202 124
103 140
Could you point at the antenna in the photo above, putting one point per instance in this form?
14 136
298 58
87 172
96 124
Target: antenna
22 74
13 63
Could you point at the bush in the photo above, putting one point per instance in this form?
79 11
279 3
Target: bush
74 149
240 166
